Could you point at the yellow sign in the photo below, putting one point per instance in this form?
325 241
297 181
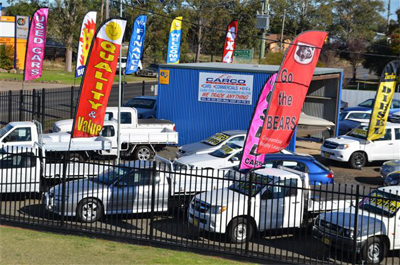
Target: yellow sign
164 77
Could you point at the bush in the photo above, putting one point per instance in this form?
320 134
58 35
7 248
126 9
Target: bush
6 57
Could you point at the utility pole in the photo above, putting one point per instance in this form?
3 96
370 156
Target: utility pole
283 27
264 31
119 95
388 17
107 9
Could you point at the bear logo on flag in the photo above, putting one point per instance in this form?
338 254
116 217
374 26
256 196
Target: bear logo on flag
304 53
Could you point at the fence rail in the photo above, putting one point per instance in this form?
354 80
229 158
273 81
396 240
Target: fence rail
52 104
253 215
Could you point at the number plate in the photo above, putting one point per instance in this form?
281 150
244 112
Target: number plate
195 222
326 154
326 241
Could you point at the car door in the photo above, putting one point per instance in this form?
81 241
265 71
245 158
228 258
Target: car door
143 190
123 194
396 144
397 231
381 149
18 136
232 160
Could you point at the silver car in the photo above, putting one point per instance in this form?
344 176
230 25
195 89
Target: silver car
212 143
388 168
119 190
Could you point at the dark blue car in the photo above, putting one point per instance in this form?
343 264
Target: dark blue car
317 172
369 104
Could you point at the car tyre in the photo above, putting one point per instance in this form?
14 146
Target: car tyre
373 251
89 210
358 160
237 231
75 157
143 153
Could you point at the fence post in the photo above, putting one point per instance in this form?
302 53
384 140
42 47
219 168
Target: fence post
10 106
153 198
72 103
21 103
43 107
354 256
33 103
249 213
143 87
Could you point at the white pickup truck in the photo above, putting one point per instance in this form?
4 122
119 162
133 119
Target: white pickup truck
280 198
378 226
356 150
26 170
140 137
29 134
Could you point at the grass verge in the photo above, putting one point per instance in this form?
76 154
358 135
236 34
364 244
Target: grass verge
23 246
63 77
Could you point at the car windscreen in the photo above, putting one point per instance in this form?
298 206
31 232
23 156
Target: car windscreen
226 150
368 103
111 175
216 139
258 183
5 130
141 103
382 203
359 132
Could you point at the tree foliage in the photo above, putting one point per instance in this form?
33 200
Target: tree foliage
6 57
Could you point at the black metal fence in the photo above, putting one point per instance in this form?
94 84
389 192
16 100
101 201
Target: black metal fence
52 104
253 215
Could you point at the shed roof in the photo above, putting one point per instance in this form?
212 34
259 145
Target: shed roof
253 68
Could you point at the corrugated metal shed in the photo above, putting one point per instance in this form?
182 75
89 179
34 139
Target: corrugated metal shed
195 120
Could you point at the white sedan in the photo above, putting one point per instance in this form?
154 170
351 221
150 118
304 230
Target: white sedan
227 156
212 143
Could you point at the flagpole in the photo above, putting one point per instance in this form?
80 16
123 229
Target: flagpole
119 94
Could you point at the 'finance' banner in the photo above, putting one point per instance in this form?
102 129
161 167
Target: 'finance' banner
383 100
174 43
250 158
36 45
88 30
289 92
136 44
230 42
98 78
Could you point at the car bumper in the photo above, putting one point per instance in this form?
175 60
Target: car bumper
335 240
334 154
205 221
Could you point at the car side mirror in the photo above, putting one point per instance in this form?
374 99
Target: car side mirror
234 159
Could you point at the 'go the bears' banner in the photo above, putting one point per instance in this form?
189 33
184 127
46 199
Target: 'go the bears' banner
136 44
383 100
88 30
36 45
230 42
294 78
98 78
174 43
250 158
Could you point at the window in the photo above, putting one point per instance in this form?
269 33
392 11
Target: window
136 177
236 139
108 116
299 166
19 135
281 189
126 118
397 133
387 136
358 115
396 104
18 161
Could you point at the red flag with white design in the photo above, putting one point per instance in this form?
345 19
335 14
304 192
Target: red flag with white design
230 42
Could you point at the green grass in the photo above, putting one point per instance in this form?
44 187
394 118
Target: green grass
63 77
23 246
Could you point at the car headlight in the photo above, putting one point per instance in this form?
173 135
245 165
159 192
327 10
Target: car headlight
394 182
217 209
348 233
343 146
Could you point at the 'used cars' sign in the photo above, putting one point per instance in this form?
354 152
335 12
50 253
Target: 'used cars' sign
226 88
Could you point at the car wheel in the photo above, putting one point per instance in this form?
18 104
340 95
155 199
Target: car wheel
143 153
75 157
373 251
89 210
238 229
358 160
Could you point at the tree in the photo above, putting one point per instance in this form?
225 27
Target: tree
66 17
6 57
22 8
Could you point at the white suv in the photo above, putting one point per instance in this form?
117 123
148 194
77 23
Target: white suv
357 151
